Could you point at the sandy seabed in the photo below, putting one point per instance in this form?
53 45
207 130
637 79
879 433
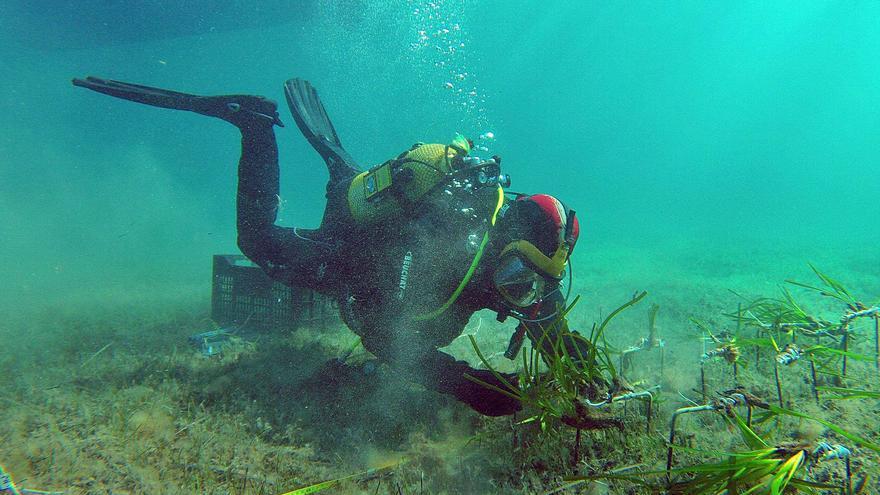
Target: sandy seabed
108 397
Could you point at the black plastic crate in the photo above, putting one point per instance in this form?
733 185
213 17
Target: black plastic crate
244 296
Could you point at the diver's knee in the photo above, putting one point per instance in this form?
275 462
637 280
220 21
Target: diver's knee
249 245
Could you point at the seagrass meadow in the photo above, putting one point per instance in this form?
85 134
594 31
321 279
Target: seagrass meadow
722 160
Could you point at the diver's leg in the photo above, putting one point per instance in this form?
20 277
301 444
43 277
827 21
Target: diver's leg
284 253
292 256
337 222
312 119
258 178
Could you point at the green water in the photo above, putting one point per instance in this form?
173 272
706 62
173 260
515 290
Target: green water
706 146
723 125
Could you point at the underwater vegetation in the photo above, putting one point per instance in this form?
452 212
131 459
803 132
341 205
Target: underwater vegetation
124 405
570 390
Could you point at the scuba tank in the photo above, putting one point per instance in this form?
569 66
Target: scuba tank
393 187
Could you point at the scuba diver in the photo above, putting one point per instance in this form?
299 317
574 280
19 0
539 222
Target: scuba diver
409 248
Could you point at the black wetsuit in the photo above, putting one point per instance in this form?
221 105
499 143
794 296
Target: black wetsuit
383 276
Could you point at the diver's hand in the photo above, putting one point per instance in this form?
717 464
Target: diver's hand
485 400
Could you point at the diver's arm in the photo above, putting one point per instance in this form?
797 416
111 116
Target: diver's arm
285 254
436 370
445 374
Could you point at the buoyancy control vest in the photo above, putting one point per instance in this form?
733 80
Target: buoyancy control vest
393 187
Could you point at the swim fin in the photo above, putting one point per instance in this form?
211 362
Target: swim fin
240 110
313 121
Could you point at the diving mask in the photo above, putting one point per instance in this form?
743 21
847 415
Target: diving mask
519 284
525 275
